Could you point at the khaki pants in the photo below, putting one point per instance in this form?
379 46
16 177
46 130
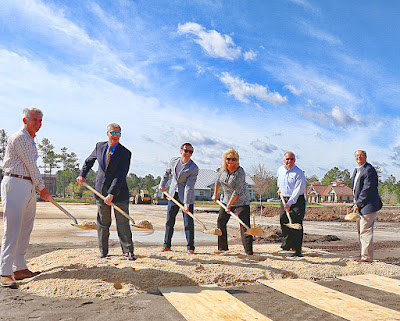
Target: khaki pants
365 228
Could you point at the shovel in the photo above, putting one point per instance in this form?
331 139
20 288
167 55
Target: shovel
88 226
146 226
295 226
257 231
214 231
353 216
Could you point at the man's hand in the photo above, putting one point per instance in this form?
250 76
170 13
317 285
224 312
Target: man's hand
108 199
356 208
287 208
45 195
80 180
186 208
161 189
214 198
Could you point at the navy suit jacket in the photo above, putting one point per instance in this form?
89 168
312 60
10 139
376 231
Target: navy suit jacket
110 180
366 189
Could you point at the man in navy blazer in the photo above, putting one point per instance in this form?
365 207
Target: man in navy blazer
367 201
113 166
184 174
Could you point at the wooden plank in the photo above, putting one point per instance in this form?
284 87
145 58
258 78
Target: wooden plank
382 283
209 303
332 301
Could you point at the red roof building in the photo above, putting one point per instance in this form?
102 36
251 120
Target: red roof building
336 192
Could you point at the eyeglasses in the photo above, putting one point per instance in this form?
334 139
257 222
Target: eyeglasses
115 133
231 159
187 151
289 158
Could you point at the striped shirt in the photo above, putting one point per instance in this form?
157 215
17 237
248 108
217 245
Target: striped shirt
234 184
21 156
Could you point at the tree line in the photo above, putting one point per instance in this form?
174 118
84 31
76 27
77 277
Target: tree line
66 167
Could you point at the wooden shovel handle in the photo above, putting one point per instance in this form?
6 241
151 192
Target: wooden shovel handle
233 214
287 213
51 200
183 208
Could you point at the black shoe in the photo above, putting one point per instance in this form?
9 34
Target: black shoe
103 255
131 256
298 254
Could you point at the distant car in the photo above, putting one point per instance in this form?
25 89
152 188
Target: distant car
273 200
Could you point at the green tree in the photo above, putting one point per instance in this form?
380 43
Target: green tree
50 159
3 143
313 178
69 172
332 175
345 177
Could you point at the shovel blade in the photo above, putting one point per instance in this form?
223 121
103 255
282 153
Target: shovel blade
295 226
85 227
256 231
214 231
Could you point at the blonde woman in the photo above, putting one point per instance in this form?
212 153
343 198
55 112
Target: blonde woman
232 178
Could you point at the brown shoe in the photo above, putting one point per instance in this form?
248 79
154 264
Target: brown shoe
165 249
23 274
191 251
8 281
363 261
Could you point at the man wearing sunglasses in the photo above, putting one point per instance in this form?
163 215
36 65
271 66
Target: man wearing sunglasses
113 166
292 185
183 172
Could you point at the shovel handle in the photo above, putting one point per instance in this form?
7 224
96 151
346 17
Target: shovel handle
183 208
233 214
51 200
287 212
112 204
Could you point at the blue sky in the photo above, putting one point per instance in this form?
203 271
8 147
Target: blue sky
320 78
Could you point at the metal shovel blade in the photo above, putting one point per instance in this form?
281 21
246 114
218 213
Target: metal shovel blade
256 231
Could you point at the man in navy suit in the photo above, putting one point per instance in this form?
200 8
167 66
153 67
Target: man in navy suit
367 201
113 160
184 174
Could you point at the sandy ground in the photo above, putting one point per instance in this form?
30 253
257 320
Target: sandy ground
76 285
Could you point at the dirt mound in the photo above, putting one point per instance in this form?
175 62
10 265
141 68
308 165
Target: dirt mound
328 213
273 234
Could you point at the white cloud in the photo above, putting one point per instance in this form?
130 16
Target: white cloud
250 55
215 44
242 90
263 146
293 90
319 34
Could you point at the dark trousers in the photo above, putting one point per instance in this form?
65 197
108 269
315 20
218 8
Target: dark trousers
292 239
173 210
104 223
243 212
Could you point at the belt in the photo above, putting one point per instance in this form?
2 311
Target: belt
18 176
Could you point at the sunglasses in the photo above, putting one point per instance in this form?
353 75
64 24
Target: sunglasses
231 159
115 133
289 158
187 151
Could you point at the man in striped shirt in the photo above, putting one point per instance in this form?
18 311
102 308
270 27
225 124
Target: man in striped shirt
21 178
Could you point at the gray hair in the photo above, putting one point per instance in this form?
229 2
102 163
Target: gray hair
26 113
289 152
362 151
113 125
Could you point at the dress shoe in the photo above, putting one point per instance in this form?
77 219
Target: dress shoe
103 255
24 274
165 249
191 251
297 254
131 256
8 281
363 261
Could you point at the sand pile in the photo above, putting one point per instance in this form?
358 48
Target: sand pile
80 273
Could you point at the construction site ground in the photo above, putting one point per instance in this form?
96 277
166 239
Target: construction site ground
77 285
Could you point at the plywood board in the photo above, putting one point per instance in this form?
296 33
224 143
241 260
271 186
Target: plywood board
382 283
332 301
209 303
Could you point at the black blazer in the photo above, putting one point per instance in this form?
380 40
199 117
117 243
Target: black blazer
366 189
110 180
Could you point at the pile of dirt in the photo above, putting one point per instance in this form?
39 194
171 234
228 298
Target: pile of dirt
273 234
328 213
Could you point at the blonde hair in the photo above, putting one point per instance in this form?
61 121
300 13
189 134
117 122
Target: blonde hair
230 151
